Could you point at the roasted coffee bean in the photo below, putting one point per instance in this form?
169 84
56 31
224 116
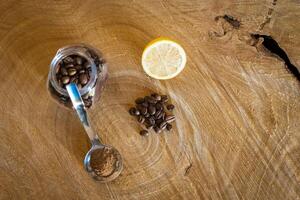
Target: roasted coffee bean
57 69
145 104
143 110
83 78
65 80
139 100
156 115
72 71
160 115
69 65
163 115
162 125
132 111
139 107
86 96
159 106
170 118
164 98
157 130
137 112
147 115
68 60
64 71
81 71
144 133
150 99
170 107
78 67
151 120
152 110
156 96
158 121
87 65
88 102
169 126
149 126
60 83
74 79
78 60
141 119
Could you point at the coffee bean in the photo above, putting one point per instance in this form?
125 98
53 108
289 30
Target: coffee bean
163 124
152 110
149 126
139 107
64 71
139 100
81 71
86 96
170 118
60 83
158 121
72 71
65 80
78 60
132 111
87 65
147 115
145 104
57 69
74 79
164 98
144 133
150 99
163 115
159 106
151 121
156 96
137 112
170 107
83 78
88 102
141 119
68 60
78 67
143 110
156 115
169 126
157 130
160 115
69 65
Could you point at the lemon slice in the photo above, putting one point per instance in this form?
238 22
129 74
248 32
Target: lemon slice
163 59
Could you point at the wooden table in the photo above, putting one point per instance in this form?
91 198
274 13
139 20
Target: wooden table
237 134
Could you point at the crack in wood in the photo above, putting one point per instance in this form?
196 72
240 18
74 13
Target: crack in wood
231 20
187 169
270 44
268 16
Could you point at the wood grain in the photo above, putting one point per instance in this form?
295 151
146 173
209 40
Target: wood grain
237 134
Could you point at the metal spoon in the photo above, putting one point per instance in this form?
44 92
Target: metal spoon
97 145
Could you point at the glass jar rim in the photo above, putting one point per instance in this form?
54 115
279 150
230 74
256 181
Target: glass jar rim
76 49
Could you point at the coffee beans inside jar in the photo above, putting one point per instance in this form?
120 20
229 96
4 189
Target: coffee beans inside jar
73 69
153 112
80 64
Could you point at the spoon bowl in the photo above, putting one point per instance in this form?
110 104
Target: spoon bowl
115 167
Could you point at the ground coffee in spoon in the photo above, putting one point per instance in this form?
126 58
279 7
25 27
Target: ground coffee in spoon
103 161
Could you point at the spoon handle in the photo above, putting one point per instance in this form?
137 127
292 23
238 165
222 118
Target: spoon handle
78 105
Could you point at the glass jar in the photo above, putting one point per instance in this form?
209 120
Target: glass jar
96 71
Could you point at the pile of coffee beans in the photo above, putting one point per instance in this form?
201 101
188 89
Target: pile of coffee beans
73 69
154 112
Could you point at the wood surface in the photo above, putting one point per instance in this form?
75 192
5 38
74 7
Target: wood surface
237 134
